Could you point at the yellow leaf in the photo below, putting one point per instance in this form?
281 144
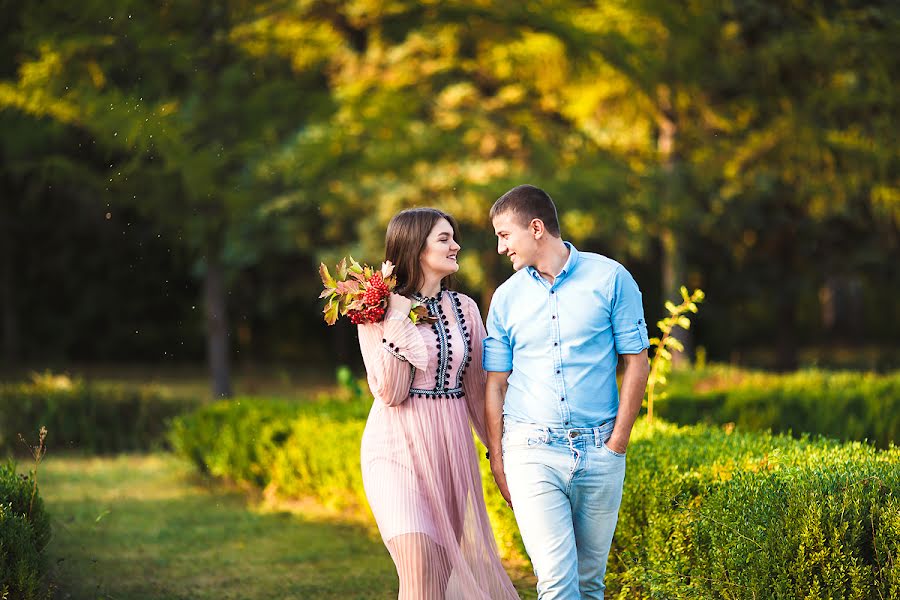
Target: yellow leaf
327 279
355 267
331 312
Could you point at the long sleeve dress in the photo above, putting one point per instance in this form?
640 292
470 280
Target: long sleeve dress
419 465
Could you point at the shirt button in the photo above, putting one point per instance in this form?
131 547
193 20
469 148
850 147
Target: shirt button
552 291
553 317
557 371
562 399
556 343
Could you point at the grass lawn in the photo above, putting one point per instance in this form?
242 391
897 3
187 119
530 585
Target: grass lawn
147 527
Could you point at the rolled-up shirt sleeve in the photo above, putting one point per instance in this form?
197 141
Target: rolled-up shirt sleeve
629 326
497 353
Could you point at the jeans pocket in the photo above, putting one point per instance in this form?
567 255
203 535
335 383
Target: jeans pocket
611 451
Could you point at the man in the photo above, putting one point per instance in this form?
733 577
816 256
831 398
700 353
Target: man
558 426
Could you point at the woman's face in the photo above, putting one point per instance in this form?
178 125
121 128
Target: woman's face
440 253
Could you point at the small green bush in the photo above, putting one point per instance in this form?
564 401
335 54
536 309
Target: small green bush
708 512
712 514
86 417
24 533
842 405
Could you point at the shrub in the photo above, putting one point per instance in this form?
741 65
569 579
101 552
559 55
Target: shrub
24 533
707 512
88 417
712 513
842 405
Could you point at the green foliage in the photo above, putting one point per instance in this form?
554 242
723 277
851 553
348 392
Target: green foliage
24 533
737 142
661 363
87 417
351 389
697 499
843 405
309 449
712 513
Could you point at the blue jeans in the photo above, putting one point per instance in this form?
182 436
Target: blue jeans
566 488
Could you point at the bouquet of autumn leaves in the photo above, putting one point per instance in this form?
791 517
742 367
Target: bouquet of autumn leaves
361 293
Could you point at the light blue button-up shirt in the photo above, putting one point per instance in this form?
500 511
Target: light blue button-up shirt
562 341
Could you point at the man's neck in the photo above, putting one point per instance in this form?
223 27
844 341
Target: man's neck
552 259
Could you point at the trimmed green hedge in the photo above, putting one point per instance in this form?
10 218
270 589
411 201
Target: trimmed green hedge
295 450
707 512
24 533
713 513
842 405
86 417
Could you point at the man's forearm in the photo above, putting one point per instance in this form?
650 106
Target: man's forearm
495 393
631 396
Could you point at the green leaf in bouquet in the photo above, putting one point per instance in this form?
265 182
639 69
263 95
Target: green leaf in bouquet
342 269
327 279
419 312
344 304
355 267
331 311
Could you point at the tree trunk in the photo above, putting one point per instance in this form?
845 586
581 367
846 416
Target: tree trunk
785 300
7 290
216 323
672 256
785 339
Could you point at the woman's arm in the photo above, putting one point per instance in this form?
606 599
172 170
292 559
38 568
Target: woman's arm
391 351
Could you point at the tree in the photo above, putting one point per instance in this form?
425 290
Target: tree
186 102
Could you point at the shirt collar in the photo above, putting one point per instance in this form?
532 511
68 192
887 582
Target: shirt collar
567 269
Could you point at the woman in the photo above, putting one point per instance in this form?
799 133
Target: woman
419 465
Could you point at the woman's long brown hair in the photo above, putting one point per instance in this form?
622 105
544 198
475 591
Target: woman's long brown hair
404 241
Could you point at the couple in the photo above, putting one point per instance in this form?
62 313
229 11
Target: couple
539 388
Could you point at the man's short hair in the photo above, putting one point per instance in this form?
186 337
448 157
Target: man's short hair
528 202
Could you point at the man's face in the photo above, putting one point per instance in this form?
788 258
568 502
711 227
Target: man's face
515 240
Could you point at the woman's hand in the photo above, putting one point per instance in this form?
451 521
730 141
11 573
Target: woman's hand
398 306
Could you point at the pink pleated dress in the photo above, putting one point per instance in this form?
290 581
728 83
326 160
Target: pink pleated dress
419 465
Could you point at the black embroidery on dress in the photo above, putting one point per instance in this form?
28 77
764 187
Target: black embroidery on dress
441 329
464 333
393 352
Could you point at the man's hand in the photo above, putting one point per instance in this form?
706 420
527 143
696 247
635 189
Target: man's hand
634 380
494 395
500 477
617 445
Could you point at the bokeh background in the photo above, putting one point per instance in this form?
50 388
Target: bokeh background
171 173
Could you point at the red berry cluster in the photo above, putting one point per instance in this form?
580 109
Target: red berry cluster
376 290
373 314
